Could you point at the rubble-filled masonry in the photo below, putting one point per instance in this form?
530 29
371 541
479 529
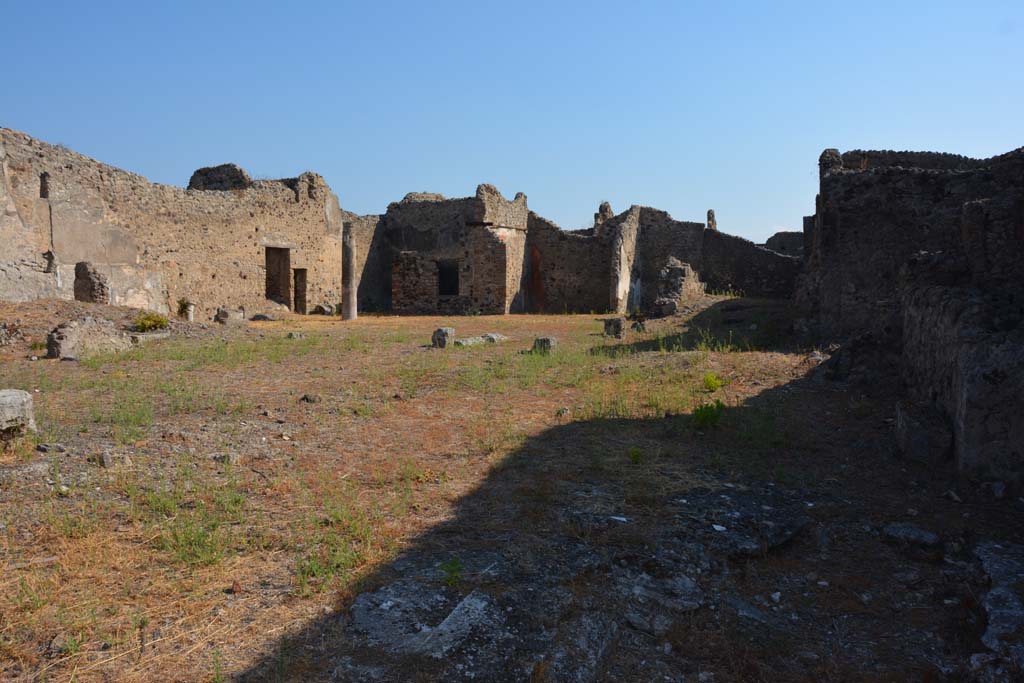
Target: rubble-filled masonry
75 228
923 255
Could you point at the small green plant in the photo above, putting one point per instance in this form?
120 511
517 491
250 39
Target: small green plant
636 455
712 382
452 570
183 306
148 321
707 415
38 346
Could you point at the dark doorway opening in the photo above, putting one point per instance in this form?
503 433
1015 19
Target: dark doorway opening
300 291
279 272
44 185
536 300
447 278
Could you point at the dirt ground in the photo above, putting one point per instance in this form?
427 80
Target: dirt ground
212 506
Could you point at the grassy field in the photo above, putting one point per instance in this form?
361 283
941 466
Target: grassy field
222 490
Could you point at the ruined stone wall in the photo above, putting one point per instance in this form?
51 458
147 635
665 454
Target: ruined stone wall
156 243
372 263
565 272
869 223
963 354
485 235
930 262
624 233
786 243
660 238
730 263
861 160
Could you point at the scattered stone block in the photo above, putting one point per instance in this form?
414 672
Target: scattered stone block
227 316
323 309
442 337
9 333
17 415
88 336
909 535
614 327
108 459
544 345
1004 602
489 338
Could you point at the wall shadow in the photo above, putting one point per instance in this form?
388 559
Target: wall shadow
739 324
620 549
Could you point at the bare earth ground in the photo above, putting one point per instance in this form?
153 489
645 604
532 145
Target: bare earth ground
260 496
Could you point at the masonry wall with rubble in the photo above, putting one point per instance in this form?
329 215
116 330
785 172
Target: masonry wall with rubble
565 272
478 241
929 260
156 244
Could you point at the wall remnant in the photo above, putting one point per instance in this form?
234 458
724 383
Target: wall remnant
90 284
924 253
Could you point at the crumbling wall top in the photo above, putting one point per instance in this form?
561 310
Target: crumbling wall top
491 208
223 177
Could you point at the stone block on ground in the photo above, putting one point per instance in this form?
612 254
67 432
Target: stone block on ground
87 336
489 338
614 327
442 337
226 316
544 345
16 413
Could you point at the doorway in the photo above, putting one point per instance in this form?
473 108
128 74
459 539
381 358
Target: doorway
279 268
300 291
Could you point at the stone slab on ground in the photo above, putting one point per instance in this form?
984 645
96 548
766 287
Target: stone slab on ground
87 336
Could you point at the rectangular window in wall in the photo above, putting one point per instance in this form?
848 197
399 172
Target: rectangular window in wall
447 278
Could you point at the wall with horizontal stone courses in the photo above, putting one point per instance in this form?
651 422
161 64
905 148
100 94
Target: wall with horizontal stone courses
158 243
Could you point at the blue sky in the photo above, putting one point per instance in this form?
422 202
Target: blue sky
682 106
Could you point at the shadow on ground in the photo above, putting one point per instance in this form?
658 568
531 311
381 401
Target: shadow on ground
739 324
650 550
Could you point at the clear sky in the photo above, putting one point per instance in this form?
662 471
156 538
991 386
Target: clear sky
681 106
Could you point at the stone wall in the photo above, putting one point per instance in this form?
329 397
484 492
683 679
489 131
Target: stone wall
484 235
929 261
870 222
372 263
564 272
786 243
730 263
156 244
963 354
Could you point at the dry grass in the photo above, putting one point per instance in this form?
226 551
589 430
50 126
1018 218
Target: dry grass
182 566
